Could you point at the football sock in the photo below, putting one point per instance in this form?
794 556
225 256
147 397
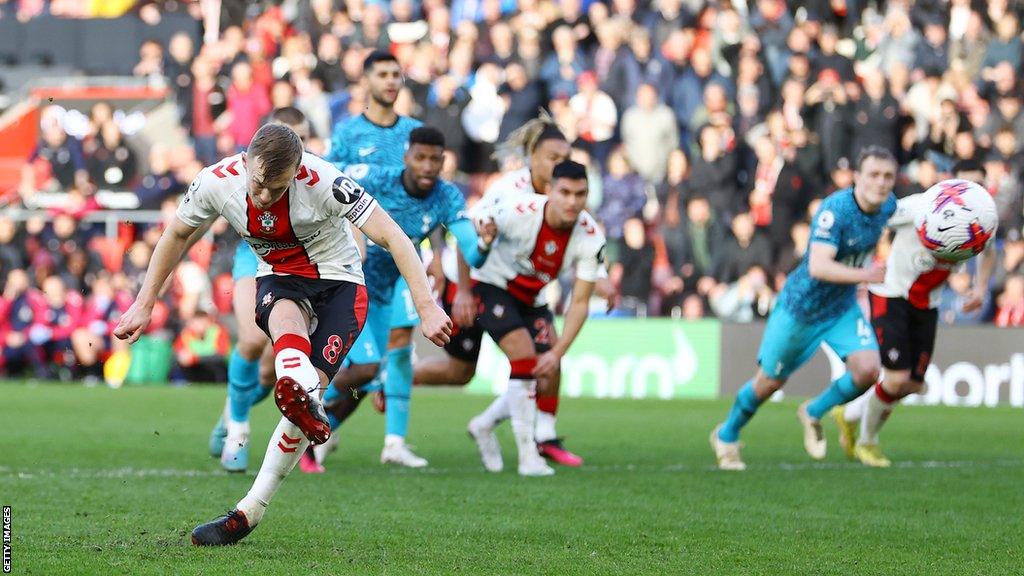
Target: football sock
260 394
291 359
286 447
522 390
497 412
876 412
547 408
840 392
743 409
397 391
331 394
855 408
243 380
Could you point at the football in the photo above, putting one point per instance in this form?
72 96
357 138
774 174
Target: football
957 221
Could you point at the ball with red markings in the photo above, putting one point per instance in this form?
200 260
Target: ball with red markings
957 220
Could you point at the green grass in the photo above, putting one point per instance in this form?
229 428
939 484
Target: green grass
112 481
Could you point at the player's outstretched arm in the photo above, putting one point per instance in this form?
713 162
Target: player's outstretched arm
575 316
434 323
165 257
472 247
986 267
822 265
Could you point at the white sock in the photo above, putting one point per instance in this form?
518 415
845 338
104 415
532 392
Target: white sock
545 426
393 440
322 450
296 365
238 433
523 408
876 412
497 412
855 408
283 452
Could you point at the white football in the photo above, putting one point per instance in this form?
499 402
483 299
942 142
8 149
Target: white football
957 221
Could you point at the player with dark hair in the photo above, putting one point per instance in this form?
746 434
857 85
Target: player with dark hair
420 202
378 137
533 239
818 304
542 146
289 206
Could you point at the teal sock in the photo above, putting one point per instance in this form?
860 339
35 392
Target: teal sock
397 390
743 410
260 394
840 392
330 394
243 379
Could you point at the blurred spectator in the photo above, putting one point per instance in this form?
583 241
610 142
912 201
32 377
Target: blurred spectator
159 183
19 306
649 133
1010 311
445 105
200 112
57 162
561 69
713 173
522 97
623 195
201 350
617 71
743 250
246 106
111 162
632 270
748 298
694 240
954 295
1006 46
597 116
12 255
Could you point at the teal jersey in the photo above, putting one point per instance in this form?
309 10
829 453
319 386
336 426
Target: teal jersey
359 141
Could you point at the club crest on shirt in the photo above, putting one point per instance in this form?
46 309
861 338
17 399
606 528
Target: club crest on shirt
550 247
267 222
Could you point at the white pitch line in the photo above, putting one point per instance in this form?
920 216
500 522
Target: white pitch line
142 473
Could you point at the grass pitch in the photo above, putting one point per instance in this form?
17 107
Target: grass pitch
112 481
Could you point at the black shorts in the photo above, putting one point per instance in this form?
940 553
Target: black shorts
465 342
336 309
906 335
501 314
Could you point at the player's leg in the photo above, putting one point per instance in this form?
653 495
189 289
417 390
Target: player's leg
914 356
786 345
458 365
542 330
505 320
398 376
851 337
243 369
338 317
243 375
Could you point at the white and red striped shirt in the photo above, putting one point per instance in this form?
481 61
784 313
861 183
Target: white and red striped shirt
303 233
912 272
528 254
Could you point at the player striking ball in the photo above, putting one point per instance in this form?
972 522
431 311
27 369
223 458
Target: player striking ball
904 308
818 305
289 206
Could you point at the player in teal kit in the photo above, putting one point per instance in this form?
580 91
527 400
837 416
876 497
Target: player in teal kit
818 304
419 202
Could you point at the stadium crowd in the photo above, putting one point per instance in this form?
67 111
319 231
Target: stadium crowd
711 130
